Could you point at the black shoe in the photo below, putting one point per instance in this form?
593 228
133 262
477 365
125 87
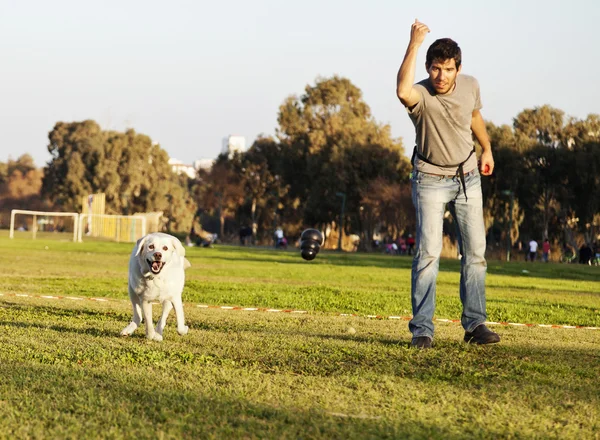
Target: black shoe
421 342
481 335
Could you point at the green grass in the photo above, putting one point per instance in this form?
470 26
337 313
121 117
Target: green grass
65 373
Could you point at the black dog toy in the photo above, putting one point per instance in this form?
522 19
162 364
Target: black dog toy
311 241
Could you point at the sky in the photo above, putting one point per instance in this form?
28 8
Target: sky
190 73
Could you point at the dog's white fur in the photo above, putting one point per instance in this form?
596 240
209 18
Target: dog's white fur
156 273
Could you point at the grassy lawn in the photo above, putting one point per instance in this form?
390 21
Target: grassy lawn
65 372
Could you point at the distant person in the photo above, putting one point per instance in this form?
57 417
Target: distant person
279 238
245 232
445 110
410 242
402 245
209 240
533 246
546 250
585 254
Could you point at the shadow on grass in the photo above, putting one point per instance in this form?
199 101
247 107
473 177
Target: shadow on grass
121 402
43 314
41 310
91 331
521 369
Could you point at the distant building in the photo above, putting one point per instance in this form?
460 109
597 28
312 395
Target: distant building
232 144
190 170
179 167
203 164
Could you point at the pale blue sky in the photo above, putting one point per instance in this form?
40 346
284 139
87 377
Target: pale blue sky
188 73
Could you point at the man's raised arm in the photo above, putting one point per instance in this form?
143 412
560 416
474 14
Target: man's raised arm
406 75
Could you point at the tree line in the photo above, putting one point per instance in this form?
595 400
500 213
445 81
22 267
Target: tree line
328 154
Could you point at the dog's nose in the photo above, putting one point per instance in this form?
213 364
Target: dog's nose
157 255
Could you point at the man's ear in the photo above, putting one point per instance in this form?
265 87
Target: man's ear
139 245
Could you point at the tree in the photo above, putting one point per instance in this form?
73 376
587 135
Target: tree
20 184
75 149
577 133
220 190
331 144
387 203
20 181
129 168
543 176
540 125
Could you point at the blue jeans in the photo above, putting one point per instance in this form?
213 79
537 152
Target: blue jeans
430 194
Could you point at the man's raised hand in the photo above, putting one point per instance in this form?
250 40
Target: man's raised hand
418 32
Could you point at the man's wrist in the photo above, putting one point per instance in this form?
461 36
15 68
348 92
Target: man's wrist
414 45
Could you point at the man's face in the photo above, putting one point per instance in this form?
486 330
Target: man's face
442 74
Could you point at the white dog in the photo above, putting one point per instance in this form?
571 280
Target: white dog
156 273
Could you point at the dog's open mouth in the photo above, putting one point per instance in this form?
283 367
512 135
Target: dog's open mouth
155 266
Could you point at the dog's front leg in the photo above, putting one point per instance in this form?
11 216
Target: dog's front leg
162 322
137 314
147 310
182 329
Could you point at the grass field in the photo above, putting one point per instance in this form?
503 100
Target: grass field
65 372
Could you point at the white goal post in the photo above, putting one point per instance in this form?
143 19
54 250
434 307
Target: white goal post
35 214
119 228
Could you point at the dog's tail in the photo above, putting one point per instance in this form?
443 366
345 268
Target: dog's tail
186 263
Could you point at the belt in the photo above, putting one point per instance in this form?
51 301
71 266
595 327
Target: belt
459 172
450 176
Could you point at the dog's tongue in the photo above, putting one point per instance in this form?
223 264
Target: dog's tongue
155 266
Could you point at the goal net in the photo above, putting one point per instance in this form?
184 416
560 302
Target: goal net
43 224
127 228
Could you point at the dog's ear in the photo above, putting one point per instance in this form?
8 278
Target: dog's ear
178 247
139 245
186 264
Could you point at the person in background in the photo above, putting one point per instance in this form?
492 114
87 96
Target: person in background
279 238
533 246
410 242
546 250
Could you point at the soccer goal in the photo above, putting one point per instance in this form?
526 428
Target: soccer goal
128 228
43 224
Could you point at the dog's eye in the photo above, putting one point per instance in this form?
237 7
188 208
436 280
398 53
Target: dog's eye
151 247
165 248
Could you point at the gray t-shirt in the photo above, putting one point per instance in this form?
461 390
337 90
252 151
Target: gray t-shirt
443 125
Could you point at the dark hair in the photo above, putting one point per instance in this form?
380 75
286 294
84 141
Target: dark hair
443 49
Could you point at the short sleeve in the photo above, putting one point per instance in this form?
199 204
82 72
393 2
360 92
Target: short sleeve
478 104
416 109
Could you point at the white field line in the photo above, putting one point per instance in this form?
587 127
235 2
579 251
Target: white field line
255 309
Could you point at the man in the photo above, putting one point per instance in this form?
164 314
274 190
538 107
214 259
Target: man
444 109
278 237
533 246
546 250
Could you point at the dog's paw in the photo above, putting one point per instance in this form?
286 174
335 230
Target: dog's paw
153 336
128 330
184 330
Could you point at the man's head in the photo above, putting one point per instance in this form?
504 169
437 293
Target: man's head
443 64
